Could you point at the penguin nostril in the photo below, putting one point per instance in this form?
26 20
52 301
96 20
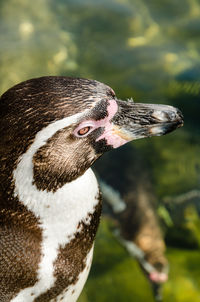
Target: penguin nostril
160 115
171 115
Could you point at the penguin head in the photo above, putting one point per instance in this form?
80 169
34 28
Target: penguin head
65 124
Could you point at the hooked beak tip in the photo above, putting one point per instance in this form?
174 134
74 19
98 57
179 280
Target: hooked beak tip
168 121
169 114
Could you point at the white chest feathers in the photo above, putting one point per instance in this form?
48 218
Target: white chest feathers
59 214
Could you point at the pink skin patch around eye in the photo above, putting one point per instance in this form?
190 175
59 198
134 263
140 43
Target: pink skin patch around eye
111 138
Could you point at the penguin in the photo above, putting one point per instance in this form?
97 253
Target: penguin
52 129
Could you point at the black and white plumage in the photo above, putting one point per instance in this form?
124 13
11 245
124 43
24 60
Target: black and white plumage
52 129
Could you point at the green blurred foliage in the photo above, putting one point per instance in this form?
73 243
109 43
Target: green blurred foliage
174 160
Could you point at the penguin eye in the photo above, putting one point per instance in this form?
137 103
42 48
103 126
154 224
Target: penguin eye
84 130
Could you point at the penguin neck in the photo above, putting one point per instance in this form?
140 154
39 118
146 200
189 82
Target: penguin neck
19 178
68 195
58 212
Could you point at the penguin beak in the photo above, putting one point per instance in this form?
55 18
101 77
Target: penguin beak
136 120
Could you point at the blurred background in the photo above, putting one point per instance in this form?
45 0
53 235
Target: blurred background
147 50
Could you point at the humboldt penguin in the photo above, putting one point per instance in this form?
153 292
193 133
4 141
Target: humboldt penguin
52 129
